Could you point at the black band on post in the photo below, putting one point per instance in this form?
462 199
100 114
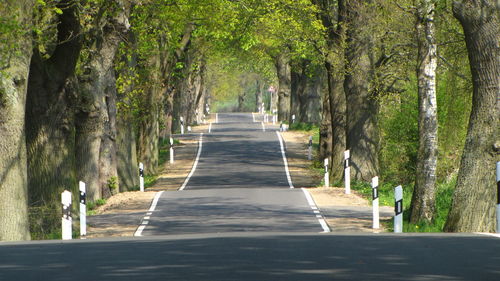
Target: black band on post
83 198
141 172
66 212
398 207
498 192
374 193
346 163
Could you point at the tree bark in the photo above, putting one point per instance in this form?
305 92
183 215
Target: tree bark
13 160
423 199
50 118
282 62
325 131
333 19
473 207
362 137
95 131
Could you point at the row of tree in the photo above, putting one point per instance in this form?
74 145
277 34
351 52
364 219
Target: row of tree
88 88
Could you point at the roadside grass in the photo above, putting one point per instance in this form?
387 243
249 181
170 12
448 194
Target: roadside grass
93 205
444 194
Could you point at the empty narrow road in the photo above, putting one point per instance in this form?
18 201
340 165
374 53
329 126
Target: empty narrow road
239 185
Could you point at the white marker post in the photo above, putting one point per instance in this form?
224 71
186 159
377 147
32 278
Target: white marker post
210 127
327 174
309 152
141 177
189 129
293 118
265 118
204 119
171 151
83 210
398 209
263 108
197 117
66 221
216 118
182 125
347 173
498 197
263 127
376 214
274 117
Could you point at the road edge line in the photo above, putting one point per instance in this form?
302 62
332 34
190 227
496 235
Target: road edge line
285 161
145 219
200 144
316 211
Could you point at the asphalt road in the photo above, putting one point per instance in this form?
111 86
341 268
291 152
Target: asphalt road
256 256
239 185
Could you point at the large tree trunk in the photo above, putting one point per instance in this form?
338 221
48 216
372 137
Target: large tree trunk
325 131
333 19
309 110
473 207
423 200
362 107
95 131
50 122
282 62
13 161
298 86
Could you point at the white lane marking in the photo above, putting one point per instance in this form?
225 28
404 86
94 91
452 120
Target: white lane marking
263 127
200 143
313 206
288 177
145 220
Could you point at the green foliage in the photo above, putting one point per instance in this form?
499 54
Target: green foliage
112 183
298 126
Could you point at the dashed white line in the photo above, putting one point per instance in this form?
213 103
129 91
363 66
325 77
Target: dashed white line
313 206
200 143
288 177
145 220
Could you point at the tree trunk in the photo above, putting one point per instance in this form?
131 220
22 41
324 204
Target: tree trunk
338 120
309 110
473 207
333 19
282 62
95 127
258 95
423 199
362 108
50 130
127 166
13 161
325 131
